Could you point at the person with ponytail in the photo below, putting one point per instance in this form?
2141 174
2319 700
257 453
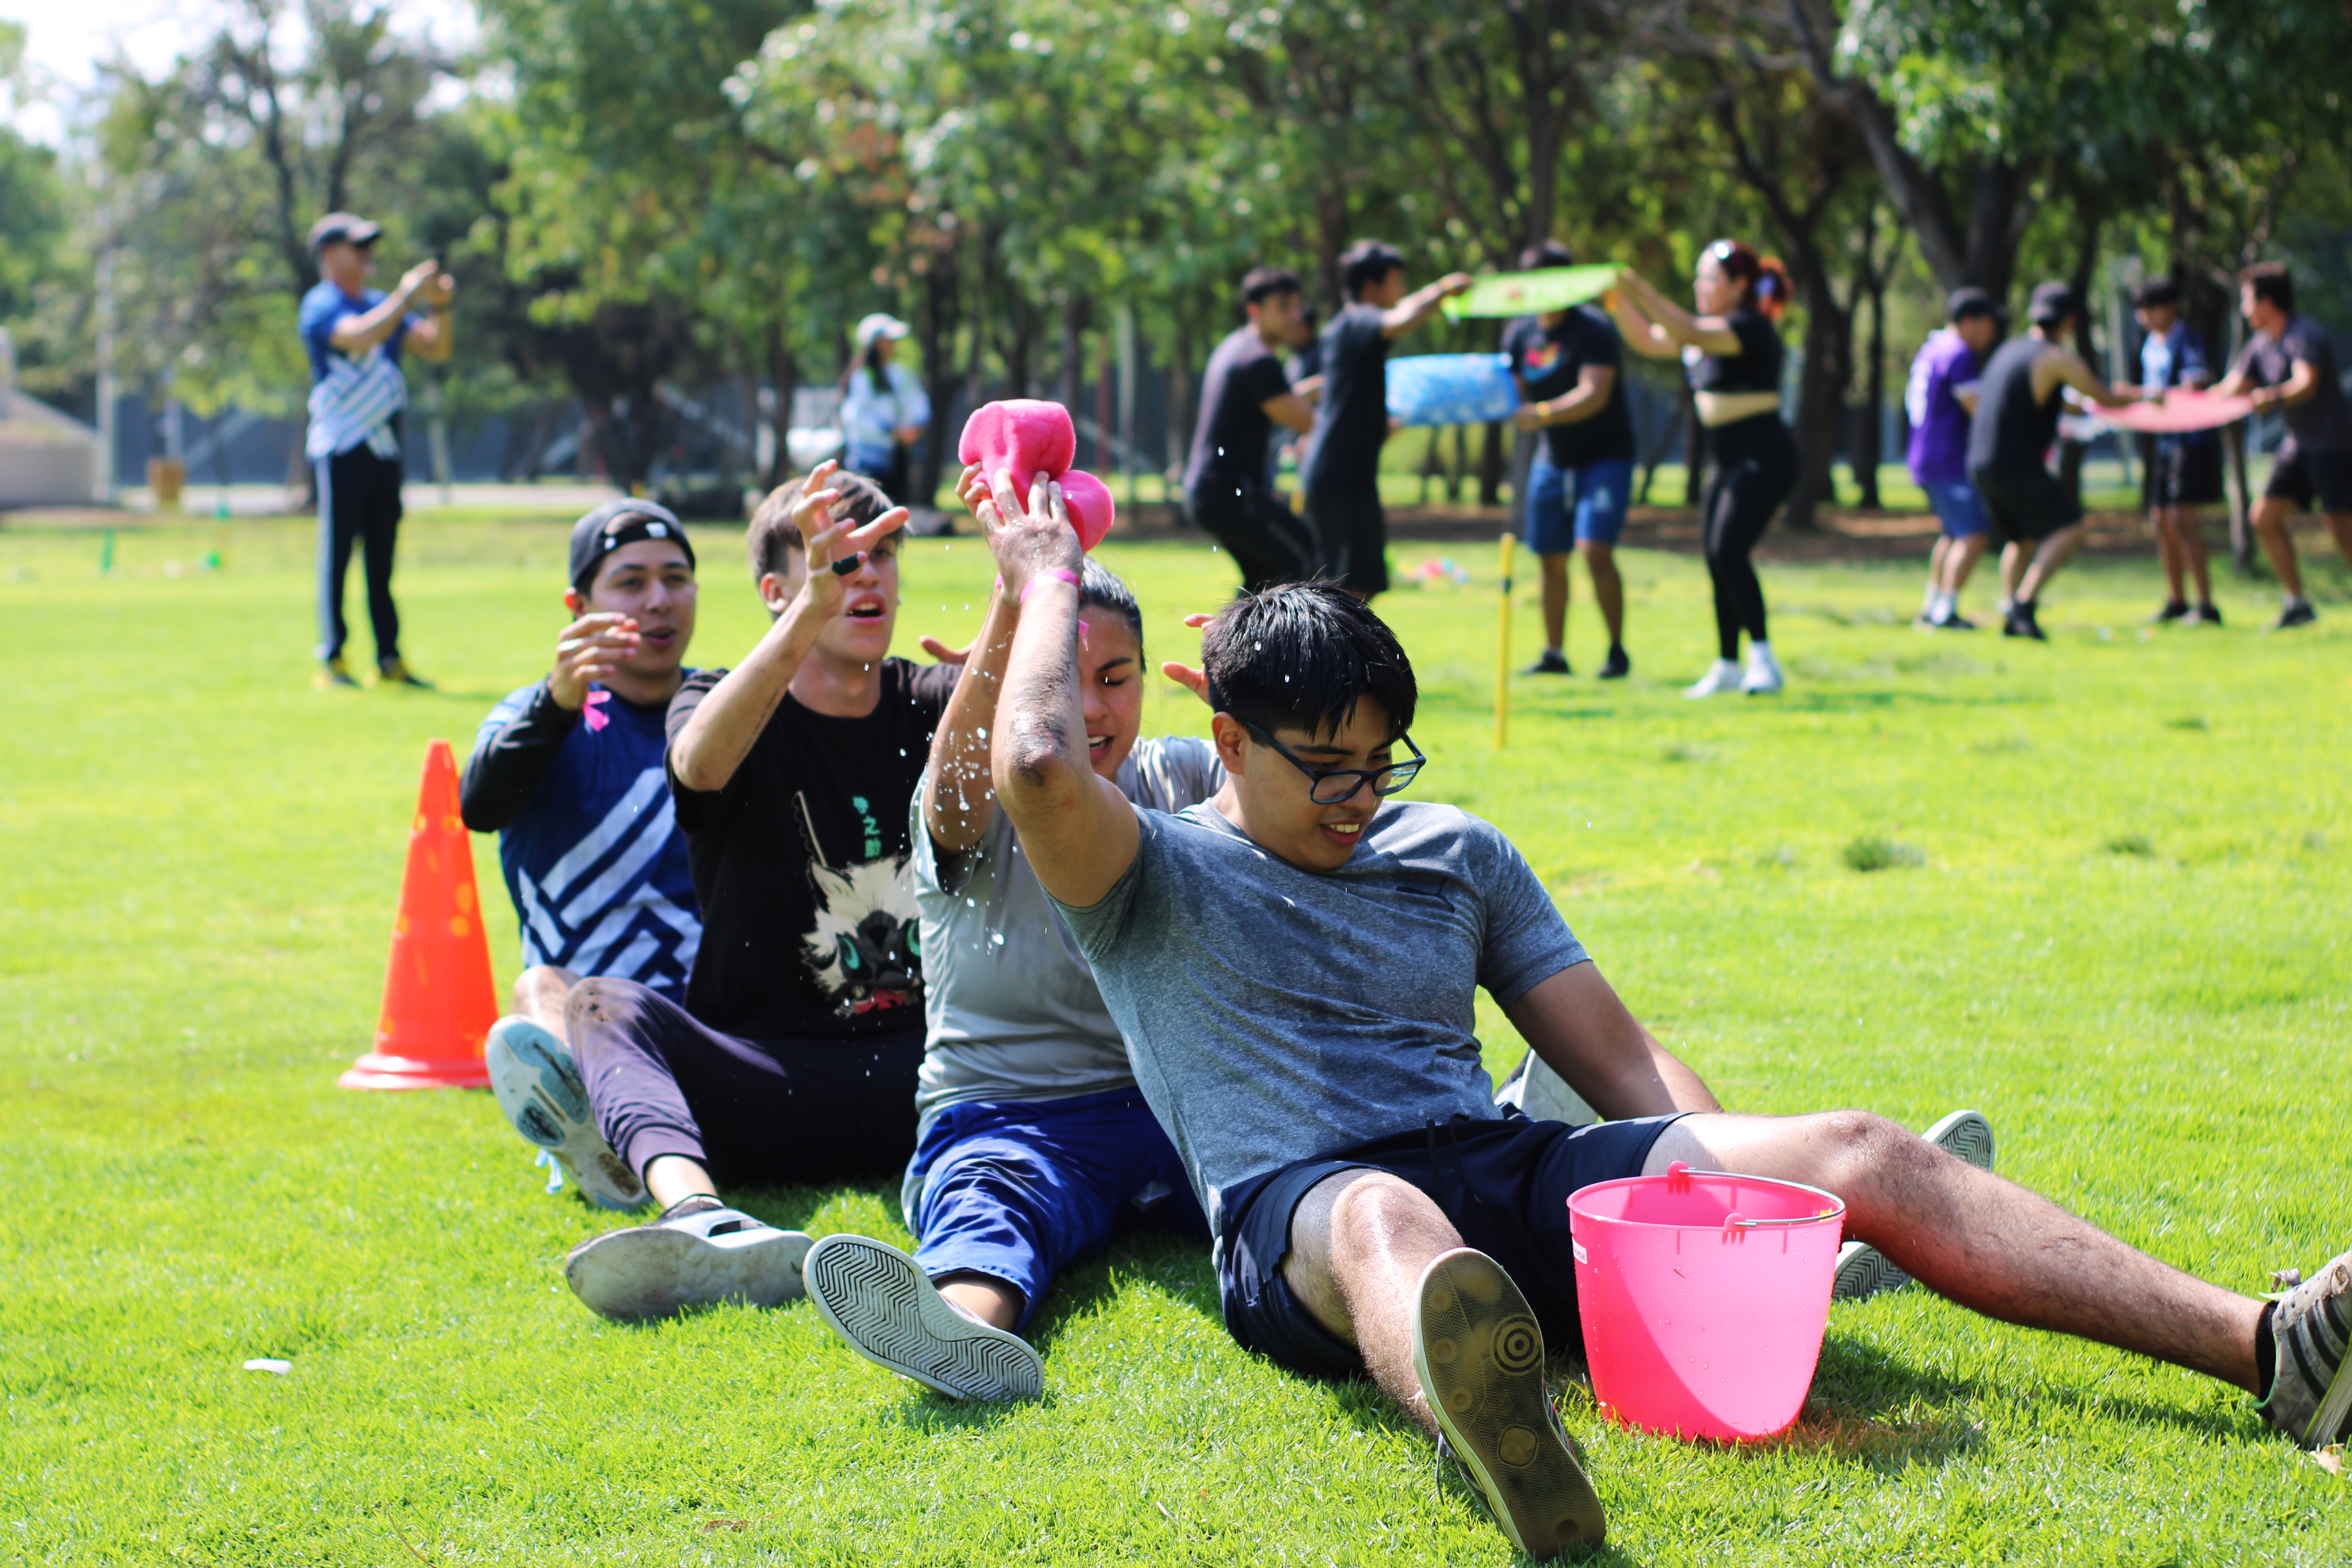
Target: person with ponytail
1732 349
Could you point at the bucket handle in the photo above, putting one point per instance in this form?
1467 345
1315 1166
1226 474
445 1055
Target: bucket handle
1678 1176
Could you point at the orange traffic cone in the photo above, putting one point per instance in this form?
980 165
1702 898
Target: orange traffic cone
438 998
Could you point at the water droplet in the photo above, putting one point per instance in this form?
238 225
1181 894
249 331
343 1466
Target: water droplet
996 939
983 734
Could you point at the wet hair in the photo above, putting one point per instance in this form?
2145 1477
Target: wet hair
773 536
1103 589
2156 291
1769 289
1301 656
1260 284
2270 280
1545 253
1365 263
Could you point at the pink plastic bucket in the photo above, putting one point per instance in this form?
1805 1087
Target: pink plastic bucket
1704 1296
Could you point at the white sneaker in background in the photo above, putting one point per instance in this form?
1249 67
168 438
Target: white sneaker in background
1763 676
1722 676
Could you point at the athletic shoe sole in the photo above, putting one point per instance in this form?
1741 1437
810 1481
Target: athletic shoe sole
538 1087
879 1301
1863 1270
654 1270
1480 1354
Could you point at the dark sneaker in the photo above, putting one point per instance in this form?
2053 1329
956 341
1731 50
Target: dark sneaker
2202 615
2174 610
2299 614
1617 666
1863 1270
2022 623
1479 1353
1553 662
395 672
699 1251
333 672
1954 623
878 1299
2311 1393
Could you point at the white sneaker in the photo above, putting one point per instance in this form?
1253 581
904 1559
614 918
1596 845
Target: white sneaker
1862 1269
1722 676
1763 677
532 1075
699 1251
878 1299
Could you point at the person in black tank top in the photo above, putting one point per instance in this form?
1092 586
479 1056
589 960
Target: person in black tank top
2014 419
1733 354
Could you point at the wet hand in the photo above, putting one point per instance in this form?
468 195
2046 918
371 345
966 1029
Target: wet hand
1032 537
589 650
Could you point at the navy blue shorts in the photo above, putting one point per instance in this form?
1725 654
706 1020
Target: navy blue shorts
1503 1184
1020 1190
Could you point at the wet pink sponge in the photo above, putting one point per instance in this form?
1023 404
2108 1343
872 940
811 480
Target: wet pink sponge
1031 436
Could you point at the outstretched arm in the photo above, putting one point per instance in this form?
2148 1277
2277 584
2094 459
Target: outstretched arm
1583 1032
1421 303
1656 326
1594 383
1077 830
2073 372
2302 382
960 797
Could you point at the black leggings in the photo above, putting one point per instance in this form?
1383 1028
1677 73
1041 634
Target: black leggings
1754 470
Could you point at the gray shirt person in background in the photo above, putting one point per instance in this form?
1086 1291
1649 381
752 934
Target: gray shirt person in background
1035 1146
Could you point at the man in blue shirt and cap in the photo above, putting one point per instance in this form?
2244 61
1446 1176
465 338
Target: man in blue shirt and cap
354 335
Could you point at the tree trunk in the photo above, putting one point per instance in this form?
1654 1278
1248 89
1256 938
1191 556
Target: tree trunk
1069 374
1491 453
784 379
1863 445
2086 261
1821 384
941 290
1694 451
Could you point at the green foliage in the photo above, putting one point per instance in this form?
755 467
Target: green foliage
199 861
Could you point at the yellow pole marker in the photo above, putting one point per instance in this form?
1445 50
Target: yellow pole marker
1503 654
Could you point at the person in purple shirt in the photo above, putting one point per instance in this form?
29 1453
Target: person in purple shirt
1951 358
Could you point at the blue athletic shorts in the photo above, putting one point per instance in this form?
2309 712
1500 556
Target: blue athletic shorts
1020 1190
1502 1184
1958 507
1603 491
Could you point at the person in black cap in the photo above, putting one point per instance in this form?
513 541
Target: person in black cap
2014 418
1342 479
568 773
354 335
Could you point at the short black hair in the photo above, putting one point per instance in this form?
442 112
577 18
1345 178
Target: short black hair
1545 253
1962 303
1260 284
1105 589
2053 304
2156 291
1365 263
1300 656
2270 280
773 535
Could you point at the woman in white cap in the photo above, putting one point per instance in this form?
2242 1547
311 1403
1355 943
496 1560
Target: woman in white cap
884 411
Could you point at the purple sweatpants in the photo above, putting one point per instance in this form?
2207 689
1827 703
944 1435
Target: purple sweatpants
752 1113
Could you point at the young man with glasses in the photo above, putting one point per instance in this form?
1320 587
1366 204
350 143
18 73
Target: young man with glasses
1294 966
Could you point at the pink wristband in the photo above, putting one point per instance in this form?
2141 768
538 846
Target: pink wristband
1056 575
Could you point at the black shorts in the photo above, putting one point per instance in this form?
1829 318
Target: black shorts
2183 473
2304 476
1353 533
1502 1184
2025 506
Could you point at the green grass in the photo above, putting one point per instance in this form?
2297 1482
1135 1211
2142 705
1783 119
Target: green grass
2124 940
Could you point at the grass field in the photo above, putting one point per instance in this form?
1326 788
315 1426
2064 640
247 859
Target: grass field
2123 938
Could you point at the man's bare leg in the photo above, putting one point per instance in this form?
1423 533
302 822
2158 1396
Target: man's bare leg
2271 515
2014 559
1987 1243
1608 587
2339 523
1555 602
2170 554
1359 1242
1962 559
539 993
2055 551
983 1296
673 1178
1936 558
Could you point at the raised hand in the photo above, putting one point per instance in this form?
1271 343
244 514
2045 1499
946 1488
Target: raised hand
834 550
1028 539
427 282
588 650
1193 680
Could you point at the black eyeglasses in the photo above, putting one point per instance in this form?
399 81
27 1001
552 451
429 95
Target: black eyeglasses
1322 787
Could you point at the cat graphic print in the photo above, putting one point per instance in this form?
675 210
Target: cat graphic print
866 948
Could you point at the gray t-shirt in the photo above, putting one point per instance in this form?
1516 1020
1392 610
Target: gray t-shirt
1011 1005
1275 1014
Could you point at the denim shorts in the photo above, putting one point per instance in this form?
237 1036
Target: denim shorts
1603 490
1502 1184
1957 508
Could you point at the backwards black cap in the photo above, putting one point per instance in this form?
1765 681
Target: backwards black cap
1963 303
619 522
2053 303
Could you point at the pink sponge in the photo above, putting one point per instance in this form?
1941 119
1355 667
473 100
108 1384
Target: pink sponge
1030 436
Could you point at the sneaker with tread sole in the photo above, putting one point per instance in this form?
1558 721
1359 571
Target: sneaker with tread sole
699 1252
1478 1352
882 1304
538 1087
2311 1329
